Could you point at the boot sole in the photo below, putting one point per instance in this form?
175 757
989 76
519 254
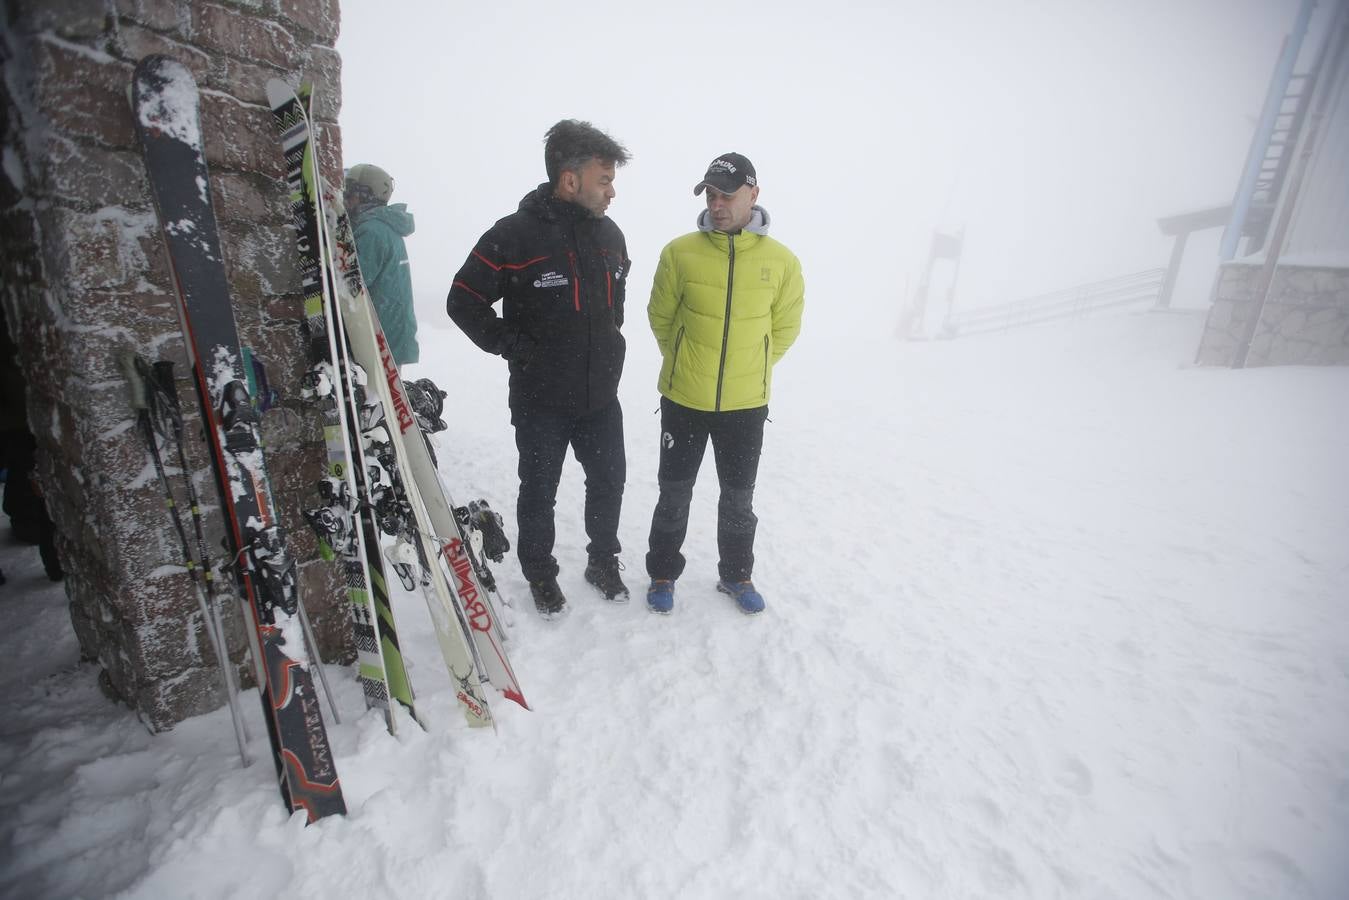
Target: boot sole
552 615
617 598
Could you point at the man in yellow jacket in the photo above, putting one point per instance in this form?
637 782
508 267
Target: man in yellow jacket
725 306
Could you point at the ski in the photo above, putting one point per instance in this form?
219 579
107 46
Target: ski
447 537
345 525
392 498
165 105
412 526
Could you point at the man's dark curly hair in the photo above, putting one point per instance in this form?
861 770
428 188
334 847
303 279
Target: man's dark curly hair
570 144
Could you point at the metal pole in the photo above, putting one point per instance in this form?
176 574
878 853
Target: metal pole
145 400
318 663
1172 270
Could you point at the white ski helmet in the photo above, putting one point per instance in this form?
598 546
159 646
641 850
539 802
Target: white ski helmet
375 181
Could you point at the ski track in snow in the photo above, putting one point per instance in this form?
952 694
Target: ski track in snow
1050 614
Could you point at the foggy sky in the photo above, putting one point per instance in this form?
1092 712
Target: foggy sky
1055 133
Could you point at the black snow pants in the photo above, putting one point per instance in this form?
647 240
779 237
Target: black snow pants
737 441
542 436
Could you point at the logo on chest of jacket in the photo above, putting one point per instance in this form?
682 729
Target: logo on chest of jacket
765 274
551 280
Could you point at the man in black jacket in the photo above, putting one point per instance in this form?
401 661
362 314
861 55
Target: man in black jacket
560 266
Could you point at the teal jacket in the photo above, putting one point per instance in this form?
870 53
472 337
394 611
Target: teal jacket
384 266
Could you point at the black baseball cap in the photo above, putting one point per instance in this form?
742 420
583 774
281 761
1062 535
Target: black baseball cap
727 174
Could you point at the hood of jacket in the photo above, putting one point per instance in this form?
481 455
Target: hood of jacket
758 220
396 216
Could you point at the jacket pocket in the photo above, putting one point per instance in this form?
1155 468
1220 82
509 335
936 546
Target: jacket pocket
674 357
609 278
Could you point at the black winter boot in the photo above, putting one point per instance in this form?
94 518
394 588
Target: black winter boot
548 599
603 574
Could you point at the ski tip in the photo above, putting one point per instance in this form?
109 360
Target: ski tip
164 99
164 74
279 93
285 99
159 66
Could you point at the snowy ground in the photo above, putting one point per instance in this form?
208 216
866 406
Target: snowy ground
1051 614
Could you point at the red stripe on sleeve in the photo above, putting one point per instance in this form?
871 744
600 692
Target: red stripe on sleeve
497 267
460 284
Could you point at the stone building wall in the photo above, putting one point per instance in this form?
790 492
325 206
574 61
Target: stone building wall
86 279
1305 319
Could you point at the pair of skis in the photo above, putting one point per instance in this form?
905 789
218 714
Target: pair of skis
165 106
435 543
346 529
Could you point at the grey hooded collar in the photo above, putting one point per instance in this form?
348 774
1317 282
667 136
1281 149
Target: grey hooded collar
758 221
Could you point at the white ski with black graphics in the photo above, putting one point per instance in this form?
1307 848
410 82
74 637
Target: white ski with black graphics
358 323
444 538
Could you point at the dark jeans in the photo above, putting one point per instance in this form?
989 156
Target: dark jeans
737 439
542 436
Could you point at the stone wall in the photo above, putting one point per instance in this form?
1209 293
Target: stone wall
86 279
1305 319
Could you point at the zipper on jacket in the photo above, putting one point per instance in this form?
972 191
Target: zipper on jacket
726 325
575 280
576 301
674 358
765 367
608 278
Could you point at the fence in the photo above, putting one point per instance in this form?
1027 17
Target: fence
1140 290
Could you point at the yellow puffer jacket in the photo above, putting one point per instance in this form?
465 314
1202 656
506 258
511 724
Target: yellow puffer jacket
718 346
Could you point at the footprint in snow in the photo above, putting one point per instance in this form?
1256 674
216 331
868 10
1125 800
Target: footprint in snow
1075 776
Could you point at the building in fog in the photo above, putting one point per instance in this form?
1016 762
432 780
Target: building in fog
1281 293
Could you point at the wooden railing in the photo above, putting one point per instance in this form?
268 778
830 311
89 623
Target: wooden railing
1140 289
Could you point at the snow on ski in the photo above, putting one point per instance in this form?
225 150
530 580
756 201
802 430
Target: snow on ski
165 104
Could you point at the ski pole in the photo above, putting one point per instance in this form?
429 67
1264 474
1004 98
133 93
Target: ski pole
142 401
165 405
318 663
169 407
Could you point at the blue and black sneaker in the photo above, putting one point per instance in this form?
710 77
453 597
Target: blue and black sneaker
660 596
749 600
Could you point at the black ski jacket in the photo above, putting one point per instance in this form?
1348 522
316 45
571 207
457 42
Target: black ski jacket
561 274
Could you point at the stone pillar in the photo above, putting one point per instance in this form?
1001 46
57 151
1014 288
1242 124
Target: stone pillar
1305 319
86 280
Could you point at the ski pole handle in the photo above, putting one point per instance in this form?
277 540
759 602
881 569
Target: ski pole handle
132 367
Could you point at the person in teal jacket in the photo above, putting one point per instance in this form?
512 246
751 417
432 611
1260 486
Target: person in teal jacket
380 229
